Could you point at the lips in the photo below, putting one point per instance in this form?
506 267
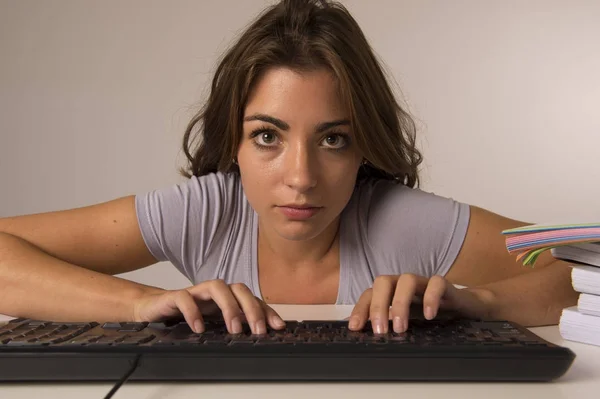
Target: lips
299 206
299 212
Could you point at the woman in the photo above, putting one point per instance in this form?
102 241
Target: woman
302 190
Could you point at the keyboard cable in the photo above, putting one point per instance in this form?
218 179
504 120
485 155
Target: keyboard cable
125 377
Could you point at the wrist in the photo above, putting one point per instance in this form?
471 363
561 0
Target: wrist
142 293
486 308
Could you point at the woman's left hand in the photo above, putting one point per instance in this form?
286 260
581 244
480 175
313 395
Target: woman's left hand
399 291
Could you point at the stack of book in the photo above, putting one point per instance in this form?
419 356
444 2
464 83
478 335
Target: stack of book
578 244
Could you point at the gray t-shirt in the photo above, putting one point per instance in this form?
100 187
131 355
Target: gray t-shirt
208 230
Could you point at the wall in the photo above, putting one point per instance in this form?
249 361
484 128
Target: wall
95 96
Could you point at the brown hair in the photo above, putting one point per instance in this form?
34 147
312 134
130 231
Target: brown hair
305 35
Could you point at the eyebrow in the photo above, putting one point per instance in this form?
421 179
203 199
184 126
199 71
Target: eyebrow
284 126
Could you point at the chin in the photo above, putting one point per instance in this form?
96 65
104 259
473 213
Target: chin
299 231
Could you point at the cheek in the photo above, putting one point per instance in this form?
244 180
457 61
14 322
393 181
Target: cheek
252 192
342 180
256 180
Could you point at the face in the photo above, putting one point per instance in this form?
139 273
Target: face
297 157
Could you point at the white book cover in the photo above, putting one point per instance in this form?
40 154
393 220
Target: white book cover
586 279
588 253
589 304
579 327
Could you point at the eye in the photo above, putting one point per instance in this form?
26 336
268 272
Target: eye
266 138
335 141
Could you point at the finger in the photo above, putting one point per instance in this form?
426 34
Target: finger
436 288
272 316
186 304
221 294
360 312
253 310
379 311
406 287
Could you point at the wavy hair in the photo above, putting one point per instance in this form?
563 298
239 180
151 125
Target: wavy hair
305 35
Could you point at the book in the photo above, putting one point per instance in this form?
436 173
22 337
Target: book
586 279
589 304
528 242
588 253
578 244
579 327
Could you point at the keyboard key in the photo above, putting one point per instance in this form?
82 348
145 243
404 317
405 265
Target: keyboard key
136 340
125 327
314 334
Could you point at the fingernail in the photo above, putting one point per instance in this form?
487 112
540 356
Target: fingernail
197 326
429 314
277 321
404 325
236 325
397 324
378 327
353 322
259 327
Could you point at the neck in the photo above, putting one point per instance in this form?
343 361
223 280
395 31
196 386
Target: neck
298 254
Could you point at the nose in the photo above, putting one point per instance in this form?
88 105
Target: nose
300 168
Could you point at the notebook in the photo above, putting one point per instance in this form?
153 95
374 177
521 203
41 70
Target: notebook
579 327
589 304
588 253
528 242
586 279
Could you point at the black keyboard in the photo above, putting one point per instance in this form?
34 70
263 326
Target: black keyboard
453 349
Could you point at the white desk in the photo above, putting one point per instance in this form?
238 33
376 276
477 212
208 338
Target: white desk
581 381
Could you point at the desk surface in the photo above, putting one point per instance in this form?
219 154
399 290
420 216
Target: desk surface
581 381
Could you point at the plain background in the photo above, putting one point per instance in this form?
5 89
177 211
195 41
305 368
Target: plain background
95 97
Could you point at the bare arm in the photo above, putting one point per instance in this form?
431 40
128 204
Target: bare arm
498 287
530 296
104 237
532 299
39 286
58 265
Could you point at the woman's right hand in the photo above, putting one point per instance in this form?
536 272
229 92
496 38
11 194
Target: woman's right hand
235 301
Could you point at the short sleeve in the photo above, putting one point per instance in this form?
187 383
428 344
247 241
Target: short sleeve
180 223
413 231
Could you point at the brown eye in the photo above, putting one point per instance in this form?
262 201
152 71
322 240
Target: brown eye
267 138
335 141
331 140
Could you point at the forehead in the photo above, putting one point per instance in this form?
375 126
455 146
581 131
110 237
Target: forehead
286 92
